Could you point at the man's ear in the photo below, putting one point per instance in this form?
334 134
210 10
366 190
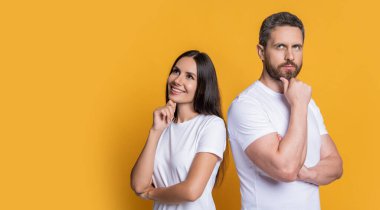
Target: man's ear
260 51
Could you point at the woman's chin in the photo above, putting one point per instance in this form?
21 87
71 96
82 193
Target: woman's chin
173 99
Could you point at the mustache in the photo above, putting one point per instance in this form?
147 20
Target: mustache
288 63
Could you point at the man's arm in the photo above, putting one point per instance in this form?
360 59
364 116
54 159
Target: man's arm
329 168
283 159
190 189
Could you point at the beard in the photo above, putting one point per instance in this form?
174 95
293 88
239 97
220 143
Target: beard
275 72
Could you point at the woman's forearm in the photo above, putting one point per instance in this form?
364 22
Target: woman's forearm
141 176
174 194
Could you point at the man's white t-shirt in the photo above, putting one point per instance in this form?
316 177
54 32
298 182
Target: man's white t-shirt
176 149
258 111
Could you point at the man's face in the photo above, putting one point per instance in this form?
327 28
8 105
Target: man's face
282 57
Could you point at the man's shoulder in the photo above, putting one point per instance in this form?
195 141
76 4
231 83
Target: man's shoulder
313 106
246 104
248 95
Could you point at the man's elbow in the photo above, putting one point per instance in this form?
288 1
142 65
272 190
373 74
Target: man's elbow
286 172
340 171
338 168
288 175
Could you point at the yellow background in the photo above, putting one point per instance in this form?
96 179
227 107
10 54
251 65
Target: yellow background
79 81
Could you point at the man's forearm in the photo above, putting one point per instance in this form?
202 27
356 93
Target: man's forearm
325 172
293 146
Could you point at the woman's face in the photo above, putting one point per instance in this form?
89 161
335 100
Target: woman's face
182 81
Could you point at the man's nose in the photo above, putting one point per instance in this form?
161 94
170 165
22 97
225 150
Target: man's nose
289 55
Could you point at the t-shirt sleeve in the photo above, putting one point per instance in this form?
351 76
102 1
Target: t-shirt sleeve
247 121
213 138
318 116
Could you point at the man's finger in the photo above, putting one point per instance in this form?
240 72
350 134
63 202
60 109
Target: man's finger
285 82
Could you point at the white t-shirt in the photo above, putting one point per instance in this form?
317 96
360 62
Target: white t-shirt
258 111
176 149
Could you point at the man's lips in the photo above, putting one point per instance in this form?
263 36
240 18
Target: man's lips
288 66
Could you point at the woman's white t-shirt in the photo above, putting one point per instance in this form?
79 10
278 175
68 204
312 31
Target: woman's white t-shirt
176 149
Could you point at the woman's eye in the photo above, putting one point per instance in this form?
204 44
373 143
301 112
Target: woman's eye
189 76
175 71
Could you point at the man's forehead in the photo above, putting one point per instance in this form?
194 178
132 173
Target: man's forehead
286 34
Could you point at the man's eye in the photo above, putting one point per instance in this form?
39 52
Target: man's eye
297 47
281 46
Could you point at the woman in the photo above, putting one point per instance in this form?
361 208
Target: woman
179 164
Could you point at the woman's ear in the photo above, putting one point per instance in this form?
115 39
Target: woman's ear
260 51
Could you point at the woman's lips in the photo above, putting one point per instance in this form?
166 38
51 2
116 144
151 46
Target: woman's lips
175 91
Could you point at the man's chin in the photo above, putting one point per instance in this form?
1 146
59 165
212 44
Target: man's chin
291 74
288 77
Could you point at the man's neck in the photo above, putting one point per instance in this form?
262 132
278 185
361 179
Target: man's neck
271 83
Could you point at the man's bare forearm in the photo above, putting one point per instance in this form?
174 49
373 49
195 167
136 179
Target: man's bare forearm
292 148
325 172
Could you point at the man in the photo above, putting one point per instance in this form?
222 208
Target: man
280 145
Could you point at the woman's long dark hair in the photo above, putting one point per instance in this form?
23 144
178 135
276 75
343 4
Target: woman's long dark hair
207 96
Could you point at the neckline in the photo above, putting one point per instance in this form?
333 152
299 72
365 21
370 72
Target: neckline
186 122
268 90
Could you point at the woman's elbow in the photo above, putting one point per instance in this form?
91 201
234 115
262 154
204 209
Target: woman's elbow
139 188
193 193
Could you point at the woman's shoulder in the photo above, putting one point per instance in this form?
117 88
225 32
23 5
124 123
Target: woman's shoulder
212 119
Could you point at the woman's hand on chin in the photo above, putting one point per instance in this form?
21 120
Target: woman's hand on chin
163 116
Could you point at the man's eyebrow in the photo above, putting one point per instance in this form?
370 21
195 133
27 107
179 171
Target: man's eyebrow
282 43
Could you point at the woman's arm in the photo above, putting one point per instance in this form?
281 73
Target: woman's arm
141 175
190 189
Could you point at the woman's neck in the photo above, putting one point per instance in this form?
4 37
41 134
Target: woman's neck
185 112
